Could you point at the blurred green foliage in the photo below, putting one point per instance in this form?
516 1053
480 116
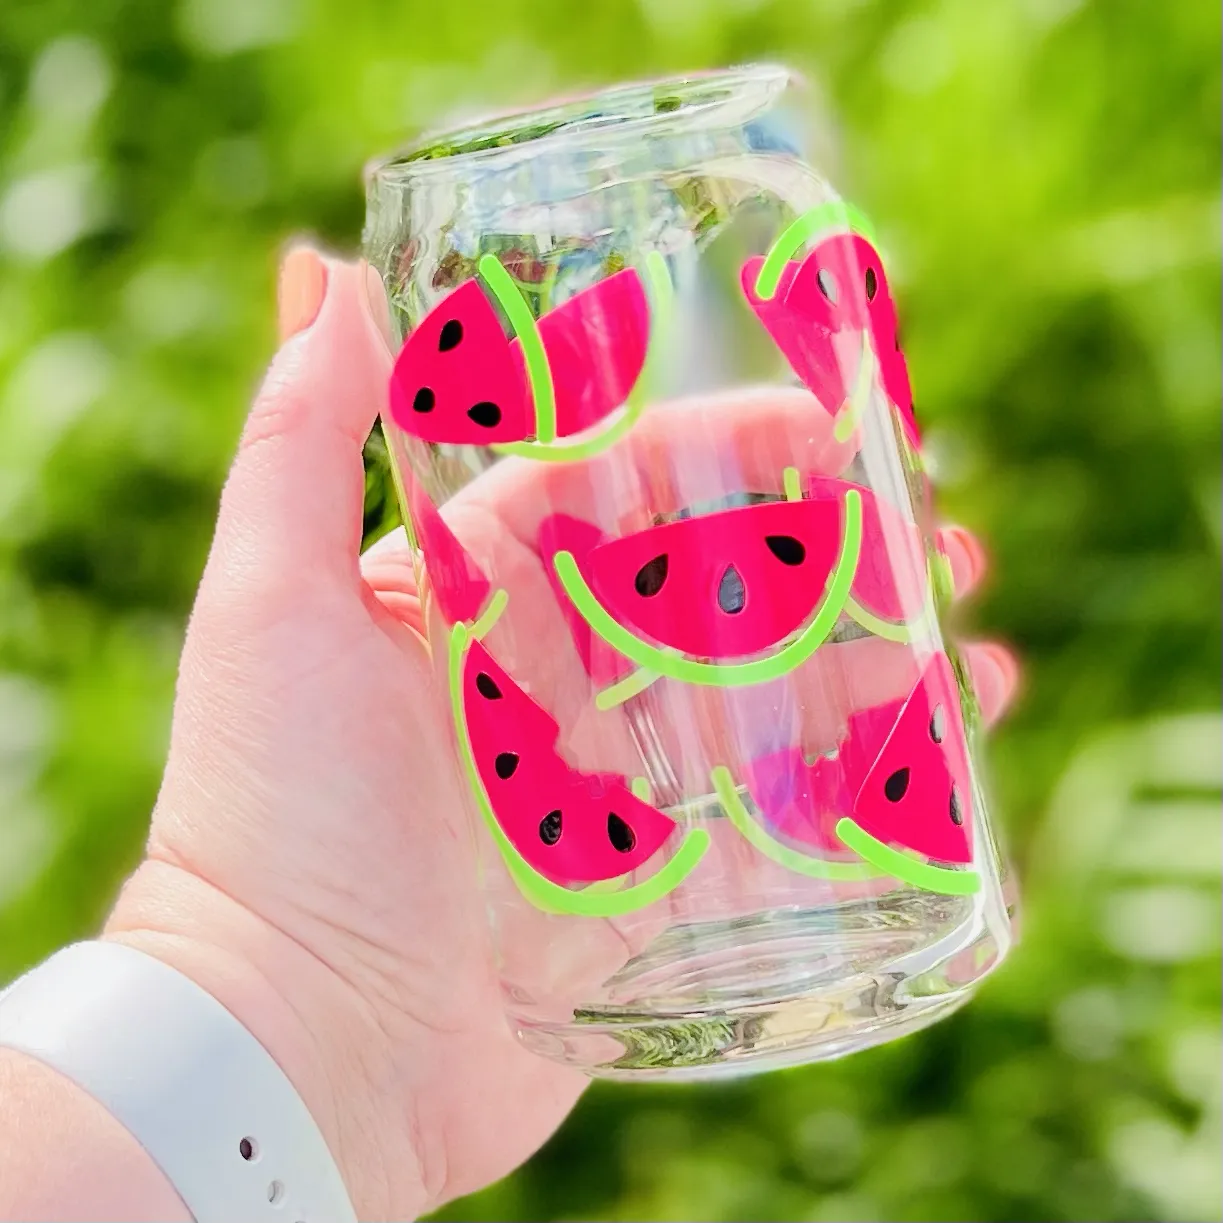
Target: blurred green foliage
1046 174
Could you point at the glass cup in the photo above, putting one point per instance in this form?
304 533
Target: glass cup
653 436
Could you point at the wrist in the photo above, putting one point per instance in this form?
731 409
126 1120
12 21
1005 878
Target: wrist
63 1156
320 1032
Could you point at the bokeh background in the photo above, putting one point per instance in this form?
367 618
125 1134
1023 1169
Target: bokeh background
1047 176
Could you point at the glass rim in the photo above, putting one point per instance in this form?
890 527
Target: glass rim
610 114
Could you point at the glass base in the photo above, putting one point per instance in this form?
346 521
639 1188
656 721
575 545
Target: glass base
705 1022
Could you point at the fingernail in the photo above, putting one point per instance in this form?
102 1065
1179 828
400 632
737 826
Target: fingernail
300 291
1004 664
965 558
976 553
995 675
376 303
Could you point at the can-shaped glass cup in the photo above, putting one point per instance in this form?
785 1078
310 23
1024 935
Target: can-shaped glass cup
653 434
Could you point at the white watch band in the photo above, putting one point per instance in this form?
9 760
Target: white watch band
191 1084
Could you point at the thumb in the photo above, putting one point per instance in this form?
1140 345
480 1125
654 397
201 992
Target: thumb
291 511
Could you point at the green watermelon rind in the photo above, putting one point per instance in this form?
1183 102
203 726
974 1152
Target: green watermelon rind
491 614
675 666
909 870
818 223
541 892
761 840
540 377
573 452
850 413
904 632
539 372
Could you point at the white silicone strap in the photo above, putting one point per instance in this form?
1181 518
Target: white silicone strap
191 1084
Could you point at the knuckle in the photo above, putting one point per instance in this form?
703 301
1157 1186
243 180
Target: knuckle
281 402
275 413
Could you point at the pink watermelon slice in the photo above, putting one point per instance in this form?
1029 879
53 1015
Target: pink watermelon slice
901 771
460 379
918 793
722 585
802 801
822 308
890 590
712 589
824 360
569 826
596 345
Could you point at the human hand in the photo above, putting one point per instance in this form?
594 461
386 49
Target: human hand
310 861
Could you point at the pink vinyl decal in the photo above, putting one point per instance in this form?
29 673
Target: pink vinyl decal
891 580
460 378
797 800
806 343
848 268
820 310
723 585
917 794
570 826
458 583
562 532
456 380
596 347
802 801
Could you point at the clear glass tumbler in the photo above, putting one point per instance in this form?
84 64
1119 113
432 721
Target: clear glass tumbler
653 434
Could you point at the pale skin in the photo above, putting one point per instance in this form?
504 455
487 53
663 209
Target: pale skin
309 862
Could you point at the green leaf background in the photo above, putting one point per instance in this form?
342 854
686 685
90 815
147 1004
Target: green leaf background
1047 175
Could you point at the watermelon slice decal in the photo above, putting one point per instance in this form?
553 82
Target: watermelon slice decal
803 800
460 379
554 825
743 579
820 864
889 596
891 592
902 772
800 802
832 314
917 797
776 564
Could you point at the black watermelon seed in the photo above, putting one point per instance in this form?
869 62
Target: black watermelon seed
423 400
872 284
620 834
486 686
896 785
938 724
786 548
550 828
505 764
651 576
485 413
954 808
452 334
828 285
731 595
